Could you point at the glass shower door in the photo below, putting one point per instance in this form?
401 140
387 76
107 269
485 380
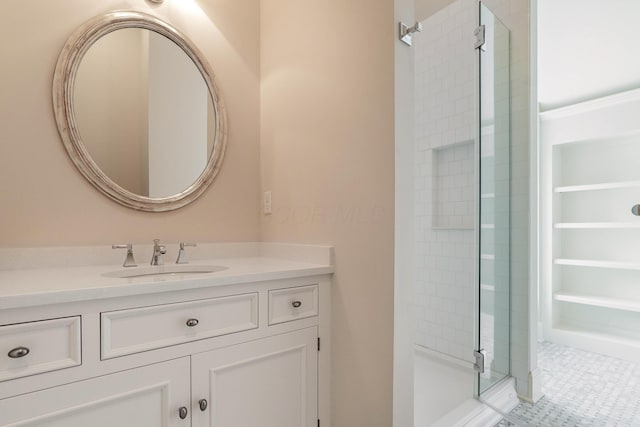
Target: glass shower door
493 265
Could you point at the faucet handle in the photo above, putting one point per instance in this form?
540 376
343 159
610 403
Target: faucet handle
182 254
129 261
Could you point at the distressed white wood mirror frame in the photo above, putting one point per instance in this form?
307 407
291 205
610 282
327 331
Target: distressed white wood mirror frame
63 95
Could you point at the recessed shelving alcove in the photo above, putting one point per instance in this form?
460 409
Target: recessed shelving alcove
590 180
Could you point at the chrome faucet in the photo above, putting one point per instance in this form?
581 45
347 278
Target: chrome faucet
158 251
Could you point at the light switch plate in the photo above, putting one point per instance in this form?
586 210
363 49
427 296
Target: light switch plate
267 203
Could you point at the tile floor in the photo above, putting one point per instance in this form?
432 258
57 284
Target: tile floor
581 389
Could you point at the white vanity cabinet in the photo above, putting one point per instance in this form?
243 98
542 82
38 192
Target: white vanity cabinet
237 355
35 347
147 328
149 396
268 383
271 382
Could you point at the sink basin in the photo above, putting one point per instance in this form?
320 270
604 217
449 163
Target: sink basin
168 271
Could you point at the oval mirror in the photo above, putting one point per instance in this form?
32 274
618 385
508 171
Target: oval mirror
138 111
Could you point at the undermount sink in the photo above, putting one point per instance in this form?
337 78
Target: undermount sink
173 270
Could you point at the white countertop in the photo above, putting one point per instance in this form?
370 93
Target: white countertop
25 287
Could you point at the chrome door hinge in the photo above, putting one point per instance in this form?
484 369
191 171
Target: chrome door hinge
318 343
479 33
478 366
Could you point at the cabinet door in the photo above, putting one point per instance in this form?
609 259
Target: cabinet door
268 383
144 397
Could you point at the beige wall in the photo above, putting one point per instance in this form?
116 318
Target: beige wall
327 155
45 201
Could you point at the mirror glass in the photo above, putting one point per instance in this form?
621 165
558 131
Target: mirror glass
138 110
143 111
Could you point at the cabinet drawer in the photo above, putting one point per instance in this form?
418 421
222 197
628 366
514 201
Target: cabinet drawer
293 303
37 347
147 328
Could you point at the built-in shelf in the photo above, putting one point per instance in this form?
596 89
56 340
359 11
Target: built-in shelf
487 257
488 226
596 225
591 181
598 264
604 138
596 187
588 105
597 301
488 288
488 196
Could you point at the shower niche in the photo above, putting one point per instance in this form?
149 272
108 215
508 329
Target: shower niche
453 186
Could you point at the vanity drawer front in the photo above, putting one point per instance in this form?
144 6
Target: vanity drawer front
40 346
293 303
148 328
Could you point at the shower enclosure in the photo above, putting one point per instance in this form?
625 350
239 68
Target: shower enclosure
461 205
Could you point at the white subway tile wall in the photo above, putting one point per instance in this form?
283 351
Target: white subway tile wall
444 181
453 189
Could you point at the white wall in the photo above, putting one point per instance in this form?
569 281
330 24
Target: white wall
426 8
404 323
454 387
586 49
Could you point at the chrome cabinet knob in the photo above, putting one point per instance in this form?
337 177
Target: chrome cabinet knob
296 304
192 322
203 404
182 412
18 352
